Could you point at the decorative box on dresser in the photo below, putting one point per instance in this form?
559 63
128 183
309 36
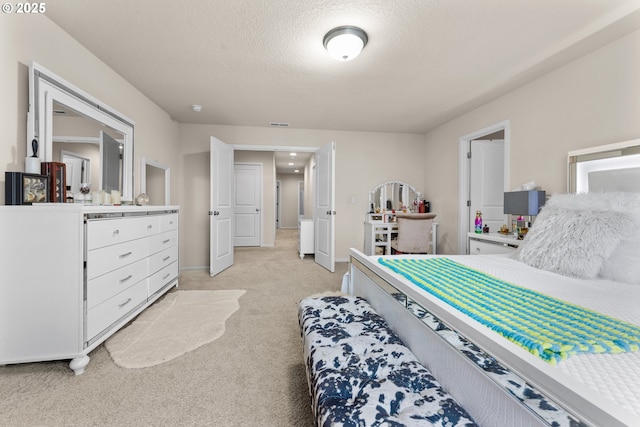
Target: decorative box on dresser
492 243
73 275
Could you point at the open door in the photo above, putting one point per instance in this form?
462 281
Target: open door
325 207
221 207
111 160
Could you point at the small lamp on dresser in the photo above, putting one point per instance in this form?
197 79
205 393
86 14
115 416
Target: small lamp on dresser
521 204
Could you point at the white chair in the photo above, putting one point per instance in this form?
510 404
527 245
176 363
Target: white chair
415 234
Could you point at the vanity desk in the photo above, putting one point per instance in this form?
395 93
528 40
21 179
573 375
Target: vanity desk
380 225
74 274
377 236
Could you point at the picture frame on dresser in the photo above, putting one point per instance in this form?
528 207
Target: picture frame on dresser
25 188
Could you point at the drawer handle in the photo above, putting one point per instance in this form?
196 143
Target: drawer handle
170 222
126 278
166 258
166 241
125 255
166 275
124 303
116 232
149 227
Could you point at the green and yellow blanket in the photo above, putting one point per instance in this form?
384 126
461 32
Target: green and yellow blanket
545 326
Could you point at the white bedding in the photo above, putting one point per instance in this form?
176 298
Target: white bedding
614 376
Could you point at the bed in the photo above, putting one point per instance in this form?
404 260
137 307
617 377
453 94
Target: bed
583 249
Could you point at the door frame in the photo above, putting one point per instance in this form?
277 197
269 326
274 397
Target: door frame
301 200
278 202
463 174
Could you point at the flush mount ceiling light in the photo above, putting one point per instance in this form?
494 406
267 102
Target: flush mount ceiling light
197 108
345 43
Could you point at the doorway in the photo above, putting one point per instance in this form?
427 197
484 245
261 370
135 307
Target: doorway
319 195
483 178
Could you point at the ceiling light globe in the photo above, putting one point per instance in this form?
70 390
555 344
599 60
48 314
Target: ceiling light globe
345 43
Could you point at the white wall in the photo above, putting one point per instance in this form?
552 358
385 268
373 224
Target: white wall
24 39
591 101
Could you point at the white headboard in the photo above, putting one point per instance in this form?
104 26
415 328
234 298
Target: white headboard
612 167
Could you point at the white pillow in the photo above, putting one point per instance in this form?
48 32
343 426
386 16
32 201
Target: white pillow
624 263
573 242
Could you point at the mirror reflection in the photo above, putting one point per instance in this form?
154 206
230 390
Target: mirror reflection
91 151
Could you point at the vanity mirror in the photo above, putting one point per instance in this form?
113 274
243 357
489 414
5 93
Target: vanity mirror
392 195
94 140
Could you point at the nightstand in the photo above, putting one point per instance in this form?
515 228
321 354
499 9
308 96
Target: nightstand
491 243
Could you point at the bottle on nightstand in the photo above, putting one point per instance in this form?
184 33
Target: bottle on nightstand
478 222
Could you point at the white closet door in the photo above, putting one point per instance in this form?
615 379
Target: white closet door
247 204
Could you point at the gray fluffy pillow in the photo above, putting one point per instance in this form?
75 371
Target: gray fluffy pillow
573 242
623 265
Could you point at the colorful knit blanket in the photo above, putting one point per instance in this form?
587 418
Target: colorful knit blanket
545 326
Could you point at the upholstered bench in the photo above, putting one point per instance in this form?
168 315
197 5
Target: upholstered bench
360 373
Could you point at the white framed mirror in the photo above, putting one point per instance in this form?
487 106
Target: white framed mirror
155 181
62 117
392 195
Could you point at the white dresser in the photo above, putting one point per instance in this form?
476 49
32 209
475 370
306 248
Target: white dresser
72 275
492 243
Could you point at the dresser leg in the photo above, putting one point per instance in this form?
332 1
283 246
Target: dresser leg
78 364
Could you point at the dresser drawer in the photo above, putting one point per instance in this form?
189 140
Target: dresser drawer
162 241
169 222
104 260
162 277
104 287
103 315
105 232
477 247
162 259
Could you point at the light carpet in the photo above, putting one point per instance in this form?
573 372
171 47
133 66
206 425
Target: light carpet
181 322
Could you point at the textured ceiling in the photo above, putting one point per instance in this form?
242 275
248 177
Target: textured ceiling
252 62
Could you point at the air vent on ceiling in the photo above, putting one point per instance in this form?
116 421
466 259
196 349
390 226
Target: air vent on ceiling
278 125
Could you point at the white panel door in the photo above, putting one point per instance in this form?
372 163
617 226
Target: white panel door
325 207
247 204
221 205
486 186
74 170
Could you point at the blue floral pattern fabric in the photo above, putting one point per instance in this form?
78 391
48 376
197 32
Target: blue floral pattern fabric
361 374
515 385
